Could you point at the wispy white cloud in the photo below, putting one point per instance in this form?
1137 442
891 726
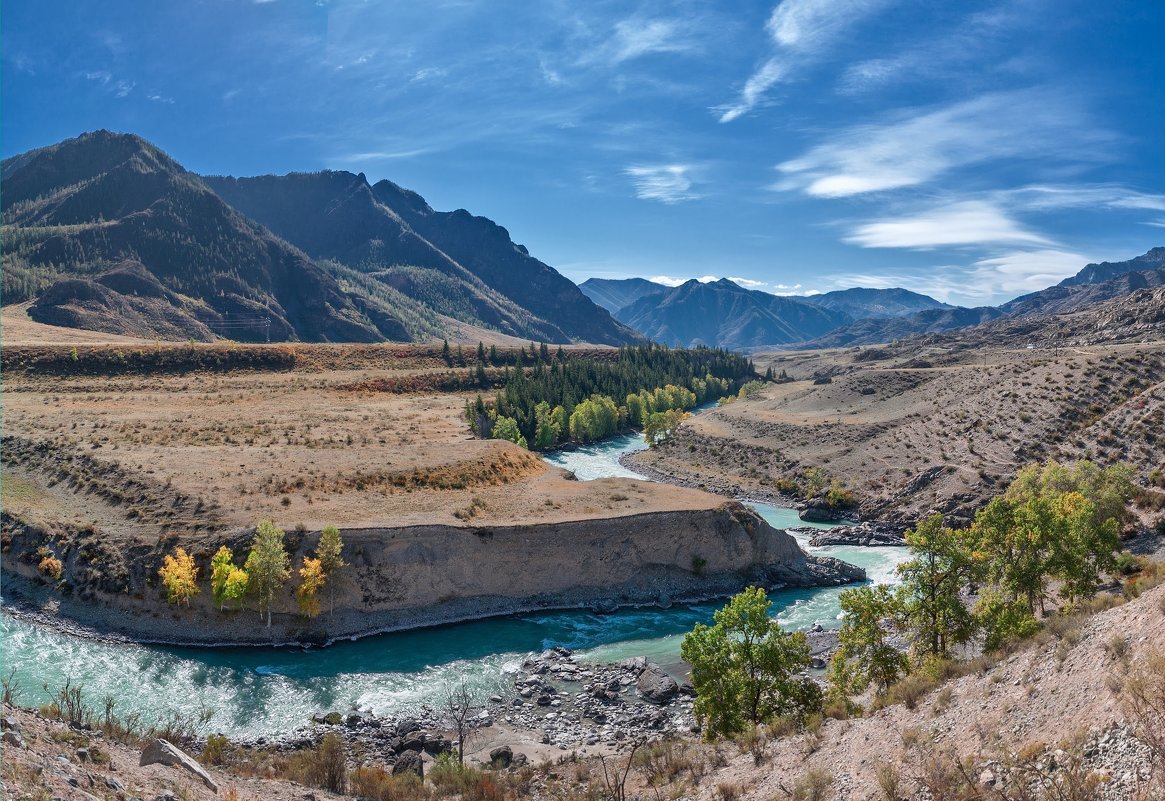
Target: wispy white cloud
667 183
970 222
748 283
802 32
381 155
1022 271
633 38
979 40
918 146
108 81
1002 275
158 98
638 37
1047 197
668 280
427 74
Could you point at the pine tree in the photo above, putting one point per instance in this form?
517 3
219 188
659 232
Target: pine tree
445 354
480 353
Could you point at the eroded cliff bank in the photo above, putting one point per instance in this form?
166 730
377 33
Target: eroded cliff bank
413 576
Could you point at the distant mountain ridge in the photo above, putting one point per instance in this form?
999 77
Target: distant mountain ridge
615 293
107 232
863 303
1094 284
1107 270
725 314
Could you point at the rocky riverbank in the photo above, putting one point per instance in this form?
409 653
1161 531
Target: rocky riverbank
557 703
725 489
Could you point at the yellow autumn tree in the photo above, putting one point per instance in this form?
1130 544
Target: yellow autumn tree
180 577
228 581
312 577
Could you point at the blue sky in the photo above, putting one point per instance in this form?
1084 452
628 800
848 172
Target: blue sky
970 150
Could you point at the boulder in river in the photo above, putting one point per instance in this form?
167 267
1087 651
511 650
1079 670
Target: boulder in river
867 534
818 512
656 686
162 752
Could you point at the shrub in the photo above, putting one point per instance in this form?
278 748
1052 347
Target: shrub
215 750
910 689
377 784
51 566
324 767
816 785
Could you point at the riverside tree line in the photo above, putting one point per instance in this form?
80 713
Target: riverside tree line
648 387
1054 526
262 575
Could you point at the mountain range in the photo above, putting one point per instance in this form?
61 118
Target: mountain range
1092 285
107 232
723 313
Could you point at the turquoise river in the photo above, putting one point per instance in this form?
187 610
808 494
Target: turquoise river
258 691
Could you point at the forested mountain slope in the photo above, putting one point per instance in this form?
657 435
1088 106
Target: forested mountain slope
107 232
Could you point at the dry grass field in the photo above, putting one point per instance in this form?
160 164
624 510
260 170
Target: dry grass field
315 443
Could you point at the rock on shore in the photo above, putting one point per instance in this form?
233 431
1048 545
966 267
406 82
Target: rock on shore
868 534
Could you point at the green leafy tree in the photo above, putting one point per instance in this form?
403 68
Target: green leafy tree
943 563
330 553
1026 540
1109 489
1002 617
548 428
745 669
235 586
661 426
507 428
268 566
1084 545
865 648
